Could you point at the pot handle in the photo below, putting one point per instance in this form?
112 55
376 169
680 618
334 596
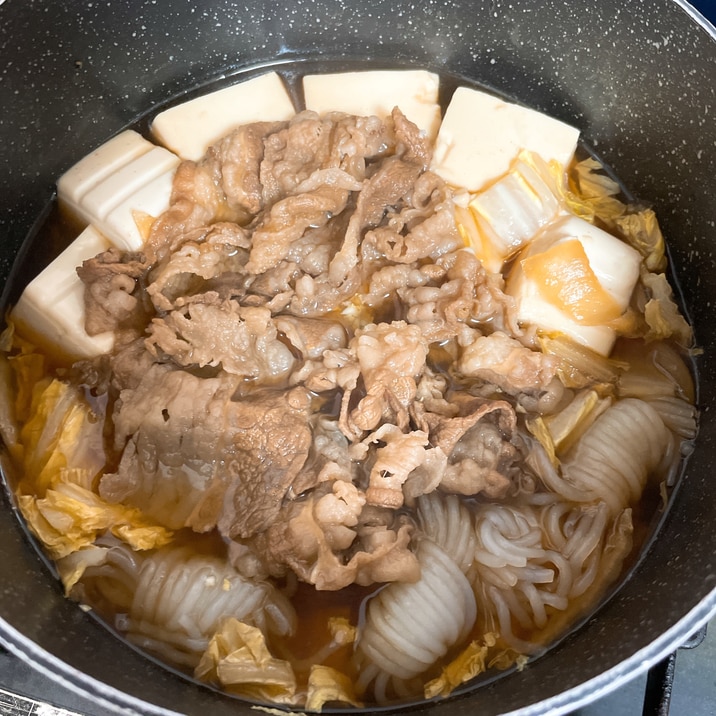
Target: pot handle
660 679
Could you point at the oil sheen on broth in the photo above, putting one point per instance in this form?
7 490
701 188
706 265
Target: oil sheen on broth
384 394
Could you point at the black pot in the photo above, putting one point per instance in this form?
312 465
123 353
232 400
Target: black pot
636 76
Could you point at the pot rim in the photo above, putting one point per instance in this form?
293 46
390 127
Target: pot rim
698 16
587 692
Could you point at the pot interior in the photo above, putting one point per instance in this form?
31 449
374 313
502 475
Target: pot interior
597 68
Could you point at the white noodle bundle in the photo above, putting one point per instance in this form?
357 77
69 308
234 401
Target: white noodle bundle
663 380
533 560
678 415
181 597
613 458
409 626
447 521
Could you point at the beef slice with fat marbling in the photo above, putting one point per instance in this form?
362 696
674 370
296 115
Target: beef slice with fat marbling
193 456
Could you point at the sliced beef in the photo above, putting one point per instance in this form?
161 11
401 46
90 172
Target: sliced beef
505 362
169 430
270 442
398 455
432 237
466 298
209 258
477 443
223 186
332 539
312 345
319 296
242 341
288 220
192 456
331 458
308 173
385 282
480 463
129 364
422 227
390 183
311 337
240 156
389 358
111 279
292 154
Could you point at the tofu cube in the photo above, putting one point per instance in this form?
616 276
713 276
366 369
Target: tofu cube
189 129
376 92
596 287
481 135
51 310
125 178
99 164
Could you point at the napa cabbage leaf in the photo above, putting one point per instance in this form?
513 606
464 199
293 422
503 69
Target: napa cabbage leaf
238 658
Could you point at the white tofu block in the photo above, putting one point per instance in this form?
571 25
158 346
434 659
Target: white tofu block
481 135
128 180
100 163
108 188
614 264
534 310
51 310
152 199
189 129
415 92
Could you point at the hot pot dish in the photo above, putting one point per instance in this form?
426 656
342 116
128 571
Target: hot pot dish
350 399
